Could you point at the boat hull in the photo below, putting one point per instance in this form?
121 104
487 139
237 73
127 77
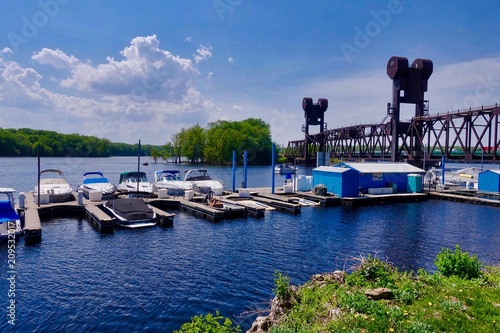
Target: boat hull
10 230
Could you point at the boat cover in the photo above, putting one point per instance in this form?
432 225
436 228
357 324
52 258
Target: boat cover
7 213
131 209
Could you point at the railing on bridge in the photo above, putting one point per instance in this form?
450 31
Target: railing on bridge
466 135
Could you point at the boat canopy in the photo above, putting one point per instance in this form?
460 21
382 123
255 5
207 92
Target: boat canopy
133 175
202 175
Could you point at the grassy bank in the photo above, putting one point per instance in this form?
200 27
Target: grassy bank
462 296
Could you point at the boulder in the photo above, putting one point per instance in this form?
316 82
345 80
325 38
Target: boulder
379 293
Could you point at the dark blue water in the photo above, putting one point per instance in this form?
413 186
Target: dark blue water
153 280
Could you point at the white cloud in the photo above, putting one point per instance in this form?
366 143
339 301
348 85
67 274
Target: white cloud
230 60
56 58
150 92
188 39
146 72
203 53
6 50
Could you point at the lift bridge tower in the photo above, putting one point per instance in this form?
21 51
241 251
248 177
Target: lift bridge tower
409 86
314 115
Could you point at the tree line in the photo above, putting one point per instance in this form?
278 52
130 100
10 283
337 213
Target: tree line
28 142
212 145
216 143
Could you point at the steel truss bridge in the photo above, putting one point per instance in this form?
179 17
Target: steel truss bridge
466 135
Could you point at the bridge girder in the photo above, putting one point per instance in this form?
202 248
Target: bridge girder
468 135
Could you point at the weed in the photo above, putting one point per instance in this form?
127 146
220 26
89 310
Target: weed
458 263
282 288
209 323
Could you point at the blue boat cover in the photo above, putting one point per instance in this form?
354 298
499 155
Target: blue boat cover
95 180
7 213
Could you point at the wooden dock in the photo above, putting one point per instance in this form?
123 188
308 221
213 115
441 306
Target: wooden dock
288 203
199 209
467 195
281 203
93 211
251 210
101 221
32 223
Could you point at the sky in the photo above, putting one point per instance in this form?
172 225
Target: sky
143 70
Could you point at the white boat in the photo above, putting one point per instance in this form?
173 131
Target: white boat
53 183
171 180
256 204
460 177
284 169
133 181
95 181
11 227
202 181
307 202
131 212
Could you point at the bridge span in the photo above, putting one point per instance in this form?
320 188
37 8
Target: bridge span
464 135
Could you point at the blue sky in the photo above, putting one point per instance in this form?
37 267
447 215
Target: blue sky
130 70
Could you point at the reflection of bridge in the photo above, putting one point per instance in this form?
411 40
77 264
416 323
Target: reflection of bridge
467 135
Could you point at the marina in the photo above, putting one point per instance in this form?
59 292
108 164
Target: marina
250 202
198 265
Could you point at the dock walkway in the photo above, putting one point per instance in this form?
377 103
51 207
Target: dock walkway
235 205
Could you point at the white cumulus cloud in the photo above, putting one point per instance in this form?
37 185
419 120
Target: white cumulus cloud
202 53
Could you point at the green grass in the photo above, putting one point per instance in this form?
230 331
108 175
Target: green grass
422 302
462 296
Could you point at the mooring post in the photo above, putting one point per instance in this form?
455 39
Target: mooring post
234 171
273 163
442 169
245 157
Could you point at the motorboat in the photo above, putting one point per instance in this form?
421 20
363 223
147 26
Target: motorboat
53 183
134 181
202 181
307 202
95 181
284 169
256 204
11 227
460 177
171 180
131 212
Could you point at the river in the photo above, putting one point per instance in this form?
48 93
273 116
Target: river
154 279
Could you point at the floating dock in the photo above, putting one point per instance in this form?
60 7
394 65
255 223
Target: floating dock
251 202
93 211
467 195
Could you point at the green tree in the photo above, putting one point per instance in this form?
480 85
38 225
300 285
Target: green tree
193 142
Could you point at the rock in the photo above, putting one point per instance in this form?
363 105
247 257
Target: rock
335 314
379 293
260 325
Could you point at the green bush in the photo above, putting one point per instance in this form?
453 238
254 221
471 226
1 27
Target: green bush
209 324
282 286
458 263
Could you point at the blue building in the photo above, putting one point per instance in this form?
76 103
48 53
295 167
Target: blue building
380 177
348 178
489 181
343 182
